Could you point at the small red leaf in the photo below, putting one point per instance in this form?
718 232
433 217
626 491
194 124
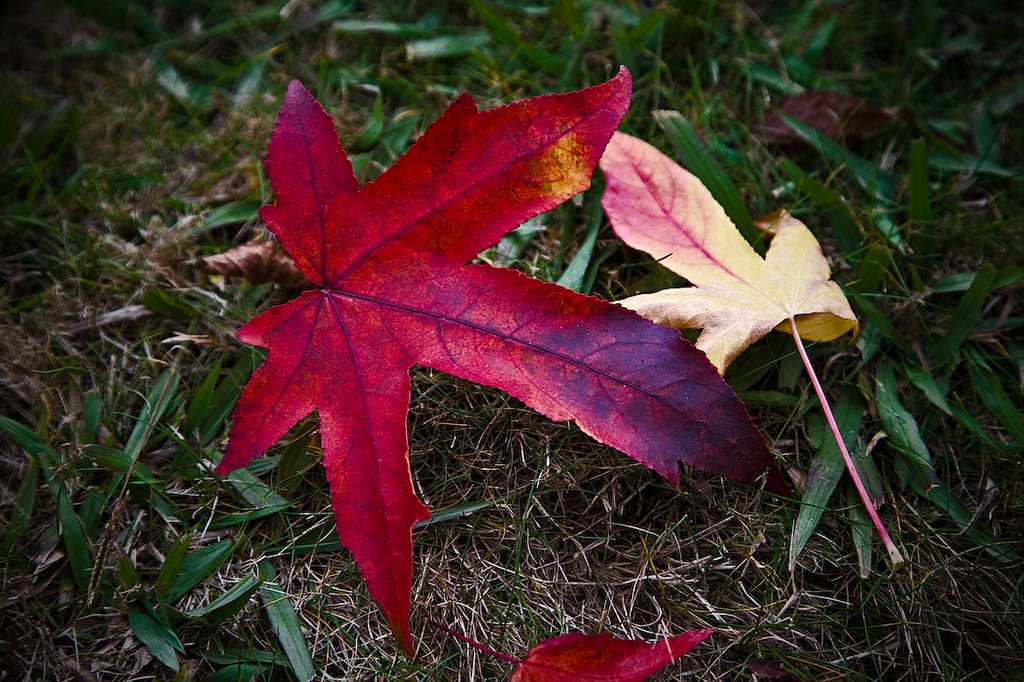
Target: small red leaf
393 291
602 658
837 115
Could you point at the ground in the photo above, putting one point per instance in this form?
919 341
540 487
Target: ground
132 139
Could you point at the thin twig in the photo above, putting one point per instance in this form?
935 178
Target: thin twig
472 643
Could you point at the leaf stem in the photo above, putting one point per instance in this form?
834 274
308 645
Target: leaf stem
473 643
894 553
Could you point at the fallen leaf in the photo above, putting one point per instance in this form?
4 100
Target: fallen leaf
836 114
737 297
391 290
763 669
259 261
602 658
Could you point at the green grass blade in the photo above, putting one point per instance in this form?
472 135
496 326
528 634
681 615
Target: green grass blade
238 672
574 275
946 500
962 281
117 460
915 466
595 265
295 457
860 529
159 639
769 399
699 160
127 575
919 205
76 544
965 317
92 409
21 510
826 468
200 403
883 217
440 47
171 568
237 519
211 423
568 12
261 497
166 303
872 271
926 384
451 513
970 164
314 541
504 33
900 425
873 179
390 28
878 320
233 213
29 441
254 491
159 398
325 539
988 387
285 623
228 603
196 566
369 136
966 417
847 232
249 656
123 15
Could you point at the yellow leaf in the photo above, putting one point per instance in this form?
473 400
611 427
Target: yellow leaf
737 297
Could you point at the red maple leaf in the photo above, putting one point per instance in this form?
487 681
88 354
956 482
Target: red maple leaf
602 658
391 289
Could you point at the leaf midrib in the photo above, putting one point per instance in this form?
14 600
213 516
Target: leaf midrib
412 310
670 218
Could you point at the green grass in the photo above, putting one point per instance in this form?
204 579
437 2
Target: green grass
132 140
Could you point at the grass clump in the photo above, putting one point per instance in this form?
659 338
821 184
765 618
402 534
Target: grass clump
133 138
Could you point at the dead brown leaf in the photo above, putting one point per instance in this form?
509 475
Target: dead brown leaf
259 262
836 114
763 669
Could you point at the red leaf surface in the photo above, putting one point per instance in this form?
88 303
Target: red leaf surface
602 658
391 289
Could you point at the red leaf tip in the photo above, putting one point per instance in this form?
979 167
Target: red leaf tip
297 89
682 644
